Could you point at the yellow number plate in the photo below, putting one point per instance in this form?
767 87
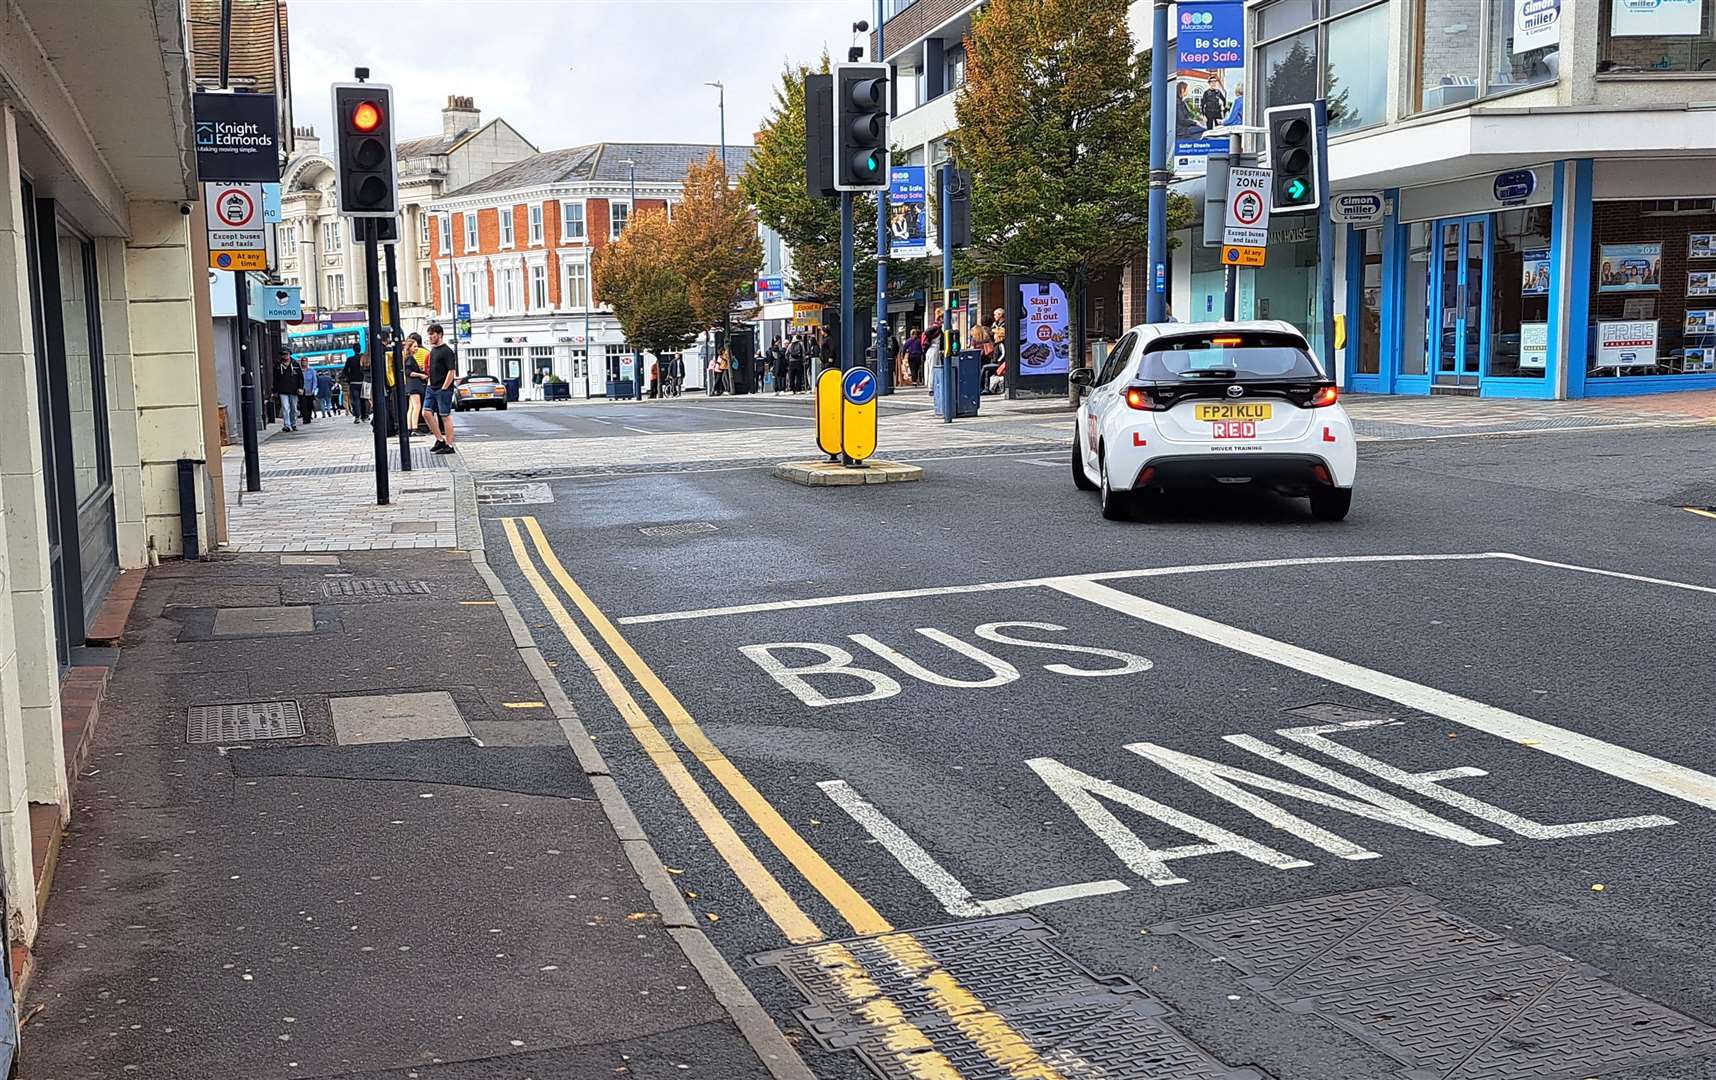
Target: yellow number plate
1234 410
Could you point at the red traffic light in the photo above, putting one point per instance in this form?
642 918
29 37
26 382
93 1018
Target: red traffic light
366 116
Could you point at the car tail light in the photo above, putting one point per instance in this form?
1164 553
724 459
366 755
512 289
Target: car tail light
1139 398
1324 395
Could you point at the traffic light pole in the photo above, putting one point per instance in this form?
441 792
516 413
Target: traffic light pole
847 335
1325 240
884 355
1155 302
949 363
377 365
402 395
247 384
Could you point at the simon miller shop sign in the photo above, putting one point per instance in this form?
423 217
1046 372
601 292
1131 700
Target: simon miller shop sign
238 138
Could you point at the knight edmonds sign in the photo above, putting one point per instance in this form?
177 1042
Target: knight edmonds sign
238 138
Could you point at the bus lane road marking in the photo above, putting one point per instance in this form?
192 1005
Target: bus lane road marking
913 1050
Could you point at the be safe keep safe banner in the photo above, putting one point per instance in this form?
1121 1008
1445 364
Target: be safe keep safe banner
1209 78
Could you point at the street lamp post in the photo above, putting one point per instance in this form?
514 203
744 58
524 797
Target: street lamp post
722 87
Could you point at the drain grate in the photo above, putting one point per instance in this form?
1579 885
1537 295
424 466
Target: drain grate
683 528
1083 1024
1445 997
375 587
514 494
244 720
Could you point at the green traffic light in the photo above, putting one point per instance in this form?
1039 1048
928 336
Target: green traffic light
1297 189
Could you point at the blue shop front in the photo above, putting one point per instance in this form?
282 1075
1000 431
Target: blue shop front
1559 280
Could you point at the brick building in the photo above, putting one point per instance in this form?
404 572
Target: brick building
517 248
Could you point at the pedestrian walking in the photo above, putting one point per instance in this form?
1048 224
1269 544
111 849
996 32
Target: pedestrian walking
288 386
933 352
778 364
306 391
325 393
717 365
675 374
443 370
355 372
912 353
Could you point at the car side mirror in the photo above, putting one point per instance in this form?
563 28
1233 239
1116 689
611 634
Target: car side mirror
1081 377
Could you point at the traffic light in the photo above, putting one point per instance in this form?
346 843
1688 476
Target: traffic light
819 134
1292 135
861 127
364 174
959 209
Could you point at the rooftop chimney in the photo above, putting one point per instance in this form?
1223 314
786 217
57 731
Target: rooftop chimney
460 115
304 140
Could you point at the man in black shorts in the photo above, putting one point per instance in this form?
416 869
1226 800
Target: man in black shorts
438 402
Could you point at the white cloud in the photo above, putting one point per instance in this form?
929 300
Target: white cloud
568 72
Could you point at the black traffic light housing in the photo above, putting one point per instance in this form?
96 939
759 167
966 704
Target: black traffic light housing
1292 142
819 135
364 172
958 198
861 127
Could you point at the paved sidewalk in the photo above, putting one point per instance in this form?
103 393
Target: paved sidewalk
318 493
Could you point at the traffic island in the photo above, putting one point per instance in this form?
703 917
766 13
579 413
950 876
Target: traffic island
833 473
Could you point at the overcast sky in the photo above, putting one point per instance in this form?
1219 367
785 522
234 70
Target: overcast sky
566 72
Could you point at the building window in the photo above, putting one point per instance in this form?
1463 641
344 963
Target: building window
447 305
574 291
506 226
536 224
477 361
614 356
288 241
539 287
333 238
1468 49
541 362
335 294
512 363
571 221
955 70
1653 293
470 230
1657 38
427 296
423 230
1335 49
84 371
618 214
1519 293
446 233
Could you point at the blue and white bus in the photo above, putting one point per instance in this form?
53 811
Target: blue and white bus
329 348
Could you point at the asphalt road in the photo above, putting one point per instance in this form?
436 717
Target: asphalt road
690 413
1521 747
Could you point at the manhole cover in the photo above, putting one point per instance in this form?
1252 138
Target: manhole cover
373 587
415 527
1443 996
244 720
683 528
514 494
886 997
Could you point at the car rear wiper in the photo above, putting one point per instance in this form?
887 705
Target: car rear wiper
1210 373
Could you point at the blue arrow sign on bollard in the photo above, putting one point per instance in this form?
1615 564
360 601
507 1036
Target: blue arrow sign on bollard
859 386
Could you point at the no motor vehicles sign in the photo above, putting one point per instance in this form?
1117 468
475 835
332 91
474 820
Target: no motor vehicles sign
1247 208
237 236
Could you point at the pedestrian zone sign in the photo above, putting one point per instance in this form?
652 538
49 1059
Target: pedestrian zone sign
1247 208
238 239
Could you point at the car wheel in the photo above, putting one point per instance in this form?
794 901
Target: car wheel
1331 503
1080 480
1115 504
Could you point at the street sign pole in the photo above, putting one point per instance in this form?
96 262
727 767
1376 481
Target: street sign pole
377 368
1160 134
1325 241
1230 295
247 384
847 337
402 390
884 359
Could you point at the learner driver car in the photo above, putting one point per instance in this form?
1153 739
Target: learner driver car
1211 405
477 391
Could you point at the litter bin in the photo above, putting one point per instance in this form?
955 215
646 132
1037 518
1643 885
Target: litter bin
512 386
968 384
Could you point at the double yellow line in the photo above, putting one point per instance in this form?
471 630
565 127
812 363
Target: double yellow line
912 1050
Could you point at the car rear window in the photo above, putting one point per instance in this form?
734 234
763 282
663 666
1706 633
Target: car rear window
1233 355
481 379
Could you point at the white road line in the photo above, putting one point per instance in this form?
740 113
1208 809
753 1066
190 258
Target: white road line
1039 461
596 420
803 414
639 430
954 897
1687 585
1656 774
1032 583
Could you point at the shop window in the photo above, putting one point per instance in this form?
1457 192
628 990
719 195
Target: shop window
541 364
1365 329
1335 49
1653 297
477 361
1656 38
512 363
1519 293
85 389
1415 339
1468 49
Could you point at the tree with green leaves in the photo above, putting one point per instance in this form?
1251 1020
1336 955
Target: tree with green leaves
774 183
715 245
636 275
1054 125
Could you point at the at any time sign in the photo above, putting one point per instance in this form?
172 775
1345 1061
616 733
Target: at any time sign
1247 208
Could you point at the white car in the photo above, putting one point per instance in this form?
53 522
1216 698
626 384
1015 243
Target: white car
1210 404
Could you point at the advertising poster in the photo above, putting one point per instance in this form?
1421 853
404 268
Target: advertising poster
462 322
1701 245
1701 283
237 136
1045 323
1700 360
1629 268
1536 281
1650 18
1701 321
907 212
1536 25
1209 74
1626 344
1534 345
